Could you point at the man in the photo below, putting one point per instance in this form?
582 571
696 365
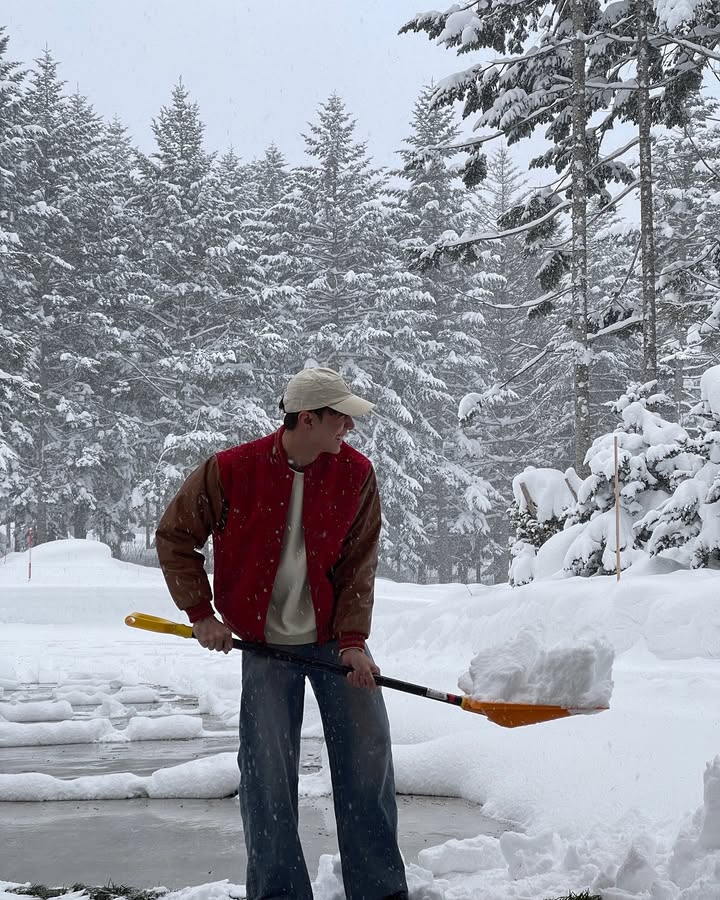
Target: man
295 520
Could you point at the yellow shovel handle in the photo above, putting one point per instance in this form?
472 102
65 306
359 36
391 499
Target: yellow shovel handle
155 623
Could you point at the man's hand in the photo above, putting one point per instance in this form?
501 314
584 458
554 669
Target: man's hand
213 635
363 668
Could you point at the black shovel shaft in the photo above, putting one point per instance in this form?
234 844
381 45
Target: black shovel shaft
339 669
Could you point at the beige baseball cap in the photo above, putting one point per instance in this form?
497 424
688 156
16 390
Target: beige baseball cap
315 388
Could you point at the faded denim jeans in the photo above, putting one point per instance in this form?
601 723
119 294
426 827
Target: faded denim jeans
358 742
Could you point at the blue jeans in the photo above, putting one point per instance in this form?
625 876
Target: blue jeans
358 742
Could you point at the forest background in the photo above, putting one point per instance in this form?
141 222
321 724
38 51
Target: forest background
153 304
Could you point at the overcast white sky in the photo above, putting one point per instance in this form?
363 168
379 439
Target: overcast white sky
258 68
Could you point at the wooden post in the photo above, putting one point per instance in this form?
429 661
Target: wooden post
30 545
532 509
617 511
571 489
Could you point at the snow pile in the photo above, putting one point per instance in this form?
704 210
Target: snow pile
167 728
80 562
575 677
42 734
139 728
329 886
36 712
207 778
549 490
88 574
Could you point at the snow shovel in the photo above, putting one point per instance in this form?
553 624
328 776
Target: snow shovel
509 715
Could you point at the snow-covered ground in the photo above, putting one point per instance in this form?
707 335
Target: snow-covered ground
625 802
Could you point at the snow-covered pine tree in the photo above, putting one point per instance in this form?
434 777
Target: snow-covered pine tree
63 325
542 500
614 300
457 502
18 410
526 414
534 84
361 311
653 53
257 336
279 215
113 249
687 183
189 326
686 527
654 456
625 54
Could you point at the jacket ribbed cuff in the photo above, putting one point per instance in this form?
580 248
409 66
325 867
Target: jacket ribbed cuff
200 611
349 640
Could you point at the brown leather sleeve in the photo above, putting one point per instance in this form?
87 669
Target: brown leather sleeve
353 575
198 508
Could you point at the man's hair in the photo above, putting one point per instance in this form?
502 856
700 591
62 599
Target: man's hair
291 419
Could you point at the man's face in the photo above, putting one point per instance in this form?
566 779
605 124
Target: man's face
328 432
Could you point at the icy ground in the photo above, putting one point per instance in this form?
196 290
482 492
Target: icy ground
625 803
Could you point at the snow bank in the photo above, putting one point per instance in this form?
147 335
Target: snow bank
36 712
87 573
139 728
211 777
41 734
207 778
74 561
168 728
612 803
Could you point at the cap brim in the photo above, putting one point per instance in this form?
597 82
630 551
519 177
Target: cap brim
352 406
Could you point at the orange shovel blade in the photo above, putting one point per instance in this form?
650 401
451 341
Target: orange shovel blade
511 715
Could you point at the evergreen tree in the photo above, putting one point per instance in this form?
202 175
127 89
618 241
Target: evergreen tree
279 217
17 389
685 526
59 304
360 310
563 63
192 314
654 455
457 502
526 414
687 174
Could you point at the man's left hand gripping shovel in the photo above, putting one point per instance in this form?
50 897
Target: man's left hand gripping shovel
509 715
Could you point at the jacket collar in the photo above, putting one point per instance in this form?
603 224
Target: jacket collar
280 457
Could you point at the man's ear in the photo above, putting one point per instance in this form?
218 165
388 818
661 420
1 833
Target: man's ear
305 418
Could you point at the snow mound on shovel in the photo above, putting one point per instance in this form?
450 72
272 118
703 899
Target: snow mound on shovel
523 671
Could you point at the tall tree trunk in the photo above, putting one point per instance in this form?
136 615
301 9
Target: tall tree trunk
679 382
647 235
148 531
80 522
579 240
442 551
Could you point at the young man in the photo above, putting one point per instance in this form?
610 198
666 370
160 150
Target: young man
295 520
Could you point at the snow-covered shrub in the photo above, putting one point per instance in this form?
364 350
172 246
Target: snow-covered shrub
542 498
686 526
654 456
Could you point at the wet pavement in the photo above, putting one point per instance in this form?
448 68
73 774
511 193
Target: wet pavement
147 843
